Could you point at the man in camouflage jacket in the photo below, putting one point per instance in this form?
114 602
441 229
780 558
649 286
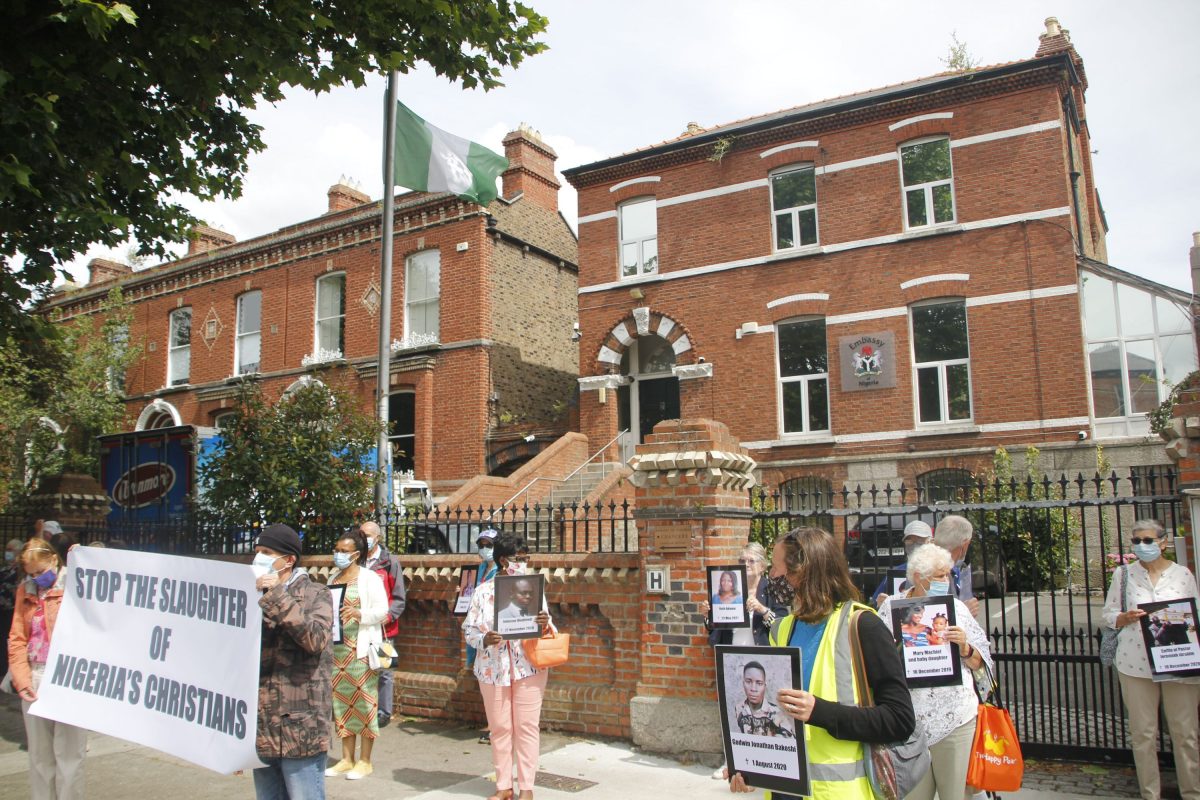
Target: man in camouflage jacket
295 682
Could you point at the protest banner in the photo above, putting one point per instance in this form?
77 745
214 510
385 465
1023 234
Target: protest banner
728 597
519 598
1169 631
919 627
761 742
158 650
467 579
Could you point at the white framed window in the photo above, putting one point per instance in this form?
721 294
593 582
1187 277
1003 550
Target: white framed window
638 223
803 361
249 333
941 361
422 297
402 429
118 337
794 207
329 335
928 179
179 346
1139 345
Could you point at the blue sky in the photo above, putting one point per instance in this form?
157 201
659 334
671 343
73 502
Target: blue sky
620 75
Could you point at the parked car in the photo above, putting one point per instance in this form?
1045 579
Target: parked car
875 544
429 538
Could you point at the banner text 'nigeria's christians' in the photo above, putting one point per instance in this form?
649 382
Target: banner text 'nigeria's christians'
206 602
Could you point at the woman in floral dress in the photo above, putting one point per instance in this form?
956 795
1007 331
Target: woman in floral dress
355 681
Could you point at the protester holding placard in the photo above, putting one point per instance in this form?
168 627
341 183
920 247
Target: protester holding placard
11 574
1154 579
808 564
946 712
294 694
356 657
56 750
512 688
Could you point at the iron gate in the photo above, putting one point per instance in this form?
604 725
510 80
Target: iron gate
1042 559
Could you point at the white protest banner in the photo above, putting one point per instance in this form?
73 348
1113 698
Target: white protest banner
159 650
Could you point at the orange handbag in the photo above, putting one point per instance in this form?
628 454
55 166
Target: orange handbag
552 649
996 762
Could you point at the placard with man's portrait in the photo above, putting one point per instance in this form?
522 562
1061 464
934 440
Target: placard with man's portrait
518 601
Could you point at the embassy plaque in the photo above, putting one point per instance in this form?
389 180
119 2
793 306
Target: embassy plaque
868 361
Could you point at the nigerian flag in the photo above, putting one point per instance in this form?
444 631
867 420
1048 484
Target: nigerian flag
430 160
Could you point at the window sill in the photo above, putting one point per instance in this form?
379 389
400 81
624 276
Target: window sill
931 230
788 439
245 376
797 252
948 429
178 387
633 280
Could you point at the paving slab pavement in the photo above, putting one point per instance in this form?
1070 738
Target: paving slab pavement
429 760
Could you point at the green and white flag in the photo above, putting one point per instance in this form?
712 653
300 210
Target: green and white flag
430 160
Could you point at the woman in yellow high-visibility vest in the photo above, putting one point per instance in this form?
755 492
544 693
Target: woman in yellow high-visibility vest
808 565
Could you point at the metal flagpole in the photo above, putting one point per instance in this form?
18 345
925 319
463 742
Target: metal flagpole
383 484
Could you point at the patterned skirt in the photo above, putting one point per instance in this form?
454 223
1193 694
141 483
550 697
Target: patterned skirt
355 685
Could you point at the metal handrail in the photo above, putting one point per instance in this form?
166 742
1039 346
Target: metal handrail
574 472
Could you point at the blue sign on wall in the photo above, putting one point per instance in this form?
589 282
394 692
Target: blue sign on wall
148 475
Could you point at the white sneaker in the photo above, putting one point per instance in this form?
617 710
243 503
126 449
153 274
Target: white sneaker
719 774
361 770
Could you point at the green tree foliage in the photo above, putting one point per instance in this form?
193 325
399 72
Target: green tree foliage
303 461
111 111
1035 543
58 392
959 58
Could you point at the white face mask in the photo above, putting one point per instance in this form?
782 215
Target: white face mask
263 564
517 568
370 544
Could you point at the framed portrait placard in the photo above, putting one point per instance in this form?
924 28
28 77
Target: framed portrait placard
727 594
897 582
761 742
338 594
466 589
919 626
519 598
1169 631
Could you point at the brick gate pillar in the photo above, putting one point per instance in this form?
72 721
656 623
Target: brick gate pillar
1183 447
692 481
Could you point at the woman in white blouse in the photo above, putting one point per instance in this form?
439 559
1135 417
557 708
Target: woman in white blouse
1150 579
946 712
512 688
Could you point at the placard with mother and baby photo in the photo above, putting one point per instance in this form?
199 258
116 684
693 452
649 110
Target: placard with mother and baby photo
920 625
1169 630
727 595
762 743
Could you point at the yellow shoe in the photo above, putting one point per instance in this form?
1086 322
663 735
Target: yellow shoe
340 768
361 770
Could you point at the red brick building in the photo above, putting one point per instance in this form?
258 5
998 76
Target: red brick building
875 287
483 307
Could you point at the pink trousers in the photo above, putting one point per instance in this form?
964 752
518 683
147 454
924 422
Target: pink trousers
513 714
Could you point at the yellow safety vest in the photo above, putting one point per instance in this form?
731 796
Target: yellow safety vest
835 765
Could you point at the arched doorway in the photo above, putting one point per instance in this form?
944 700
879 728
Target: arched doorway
653 393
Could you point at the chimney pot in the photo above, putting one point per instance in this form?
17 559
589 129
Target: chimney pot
1196 239
1052 26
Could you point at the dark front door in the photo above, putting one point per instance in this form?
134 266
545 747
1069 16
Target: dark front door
658 399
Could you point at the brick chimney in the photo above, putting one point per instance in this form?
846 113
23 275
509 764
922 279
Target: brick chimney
202 238
101 270
1057 39
530 168
343 196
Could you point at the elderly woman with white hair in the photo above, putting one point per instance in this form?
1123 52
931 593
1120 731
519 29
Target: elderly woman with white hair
1149 579
947 712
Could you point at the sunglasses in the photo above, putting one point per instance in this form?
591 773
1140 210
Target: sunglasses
1147 540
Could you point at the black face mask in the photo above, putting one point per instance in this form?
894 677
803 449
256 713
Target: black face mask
779 591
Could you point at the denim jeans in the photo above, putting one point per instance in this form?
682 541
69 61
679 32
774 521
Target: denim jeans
387 695
291 778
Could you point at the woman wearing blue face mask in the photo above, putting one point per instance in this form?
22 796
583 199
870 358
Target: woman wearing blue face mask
355 681
946 712
1153 578
56 750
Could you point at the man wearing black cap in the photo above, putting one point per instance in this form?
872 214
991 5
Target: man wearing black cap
294 679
